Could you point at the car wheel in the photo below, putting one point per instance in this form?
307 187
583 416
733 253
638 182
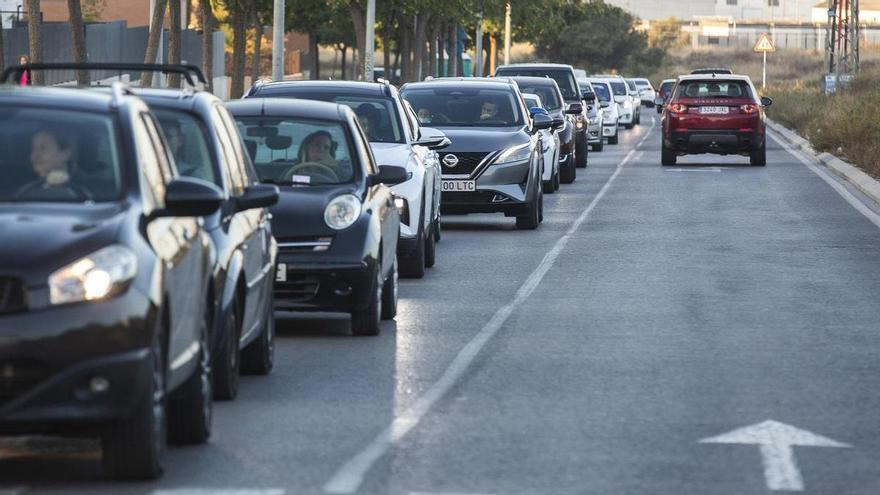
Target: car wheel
430 247
389 294
532 218
258 358
581 153
228 360
413 266
613 139
599 146
190 407
629 126
366 321
436 228
133 447
568 173
547 185
556 181
758 157
667 156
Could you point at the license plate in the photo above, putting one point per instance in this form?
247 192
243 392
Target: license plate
281 272
716 110
459 186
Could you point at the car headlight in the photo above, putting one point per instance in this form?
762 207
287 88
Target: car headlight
342 212
515 154
102 274
627 104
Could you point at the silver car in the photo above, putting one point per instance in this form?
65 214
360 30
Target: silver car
550 146
646 91
610 116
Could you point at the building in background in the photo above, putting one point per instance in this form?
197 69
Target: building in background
736 10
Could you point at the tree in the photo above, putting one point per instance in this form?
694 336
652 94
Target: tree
78 38
157 22
207 18
310 16
239 46
174 41
35 39
92 9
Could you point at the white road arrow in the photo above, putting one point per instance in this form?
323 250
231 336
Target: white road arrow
776 440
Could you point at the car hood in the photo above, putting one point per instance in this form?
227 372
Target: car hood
41 238
299 212
392 153
483 139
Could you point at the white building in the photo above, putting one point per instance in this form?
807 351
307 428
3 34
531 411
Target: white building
736 10
869 12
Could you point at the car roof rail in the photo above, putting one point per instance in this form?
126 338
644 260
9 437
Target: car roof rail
386 87
119 90
191 73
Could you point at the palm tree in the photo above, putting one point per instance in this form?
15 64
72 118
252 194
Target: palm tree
156 25
78 36
35 38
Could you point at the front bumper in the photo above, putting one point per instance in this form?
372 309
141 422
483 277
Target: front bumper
595 133
500 189
718 141
330 286
49 358
609 128
626 116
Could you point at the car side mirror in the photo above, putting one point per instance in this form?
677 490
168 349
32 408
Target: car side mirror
766 101
558 123
389 175
605 104
589 98
574 109
658 101
433 139
542 121
190 197
257 196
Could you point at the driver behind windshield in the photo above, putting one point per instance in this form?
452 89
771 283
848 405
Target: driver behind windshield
317 159
52 161
489 110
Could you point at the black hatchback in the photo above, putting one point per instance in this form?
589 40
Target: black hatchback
104 266
336 222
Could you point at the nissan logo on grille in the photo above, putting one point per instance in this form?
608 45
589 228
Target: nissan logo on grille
450 160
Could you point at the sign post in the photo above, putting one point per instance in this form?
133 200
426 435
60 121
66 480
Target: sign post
763 46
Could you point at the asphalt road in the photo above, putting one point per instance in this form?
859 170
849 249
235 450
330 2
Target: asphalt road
655 308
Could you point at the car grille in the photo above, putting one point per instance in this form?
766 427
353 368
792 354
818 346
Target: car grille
304 244
467 163
297 288
12 295
17 377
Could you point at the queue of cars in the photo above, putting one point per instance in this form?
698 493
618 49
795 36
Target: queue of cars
160 230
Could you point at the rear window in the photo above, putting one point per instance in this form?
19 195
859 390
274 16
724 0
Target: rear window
713 89
619 88
666 87
643 83
564 78
548 95
631 84
602 91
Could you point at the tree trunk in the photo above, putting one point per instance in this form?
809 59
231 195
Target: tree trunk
207 12
78 38
453 49
422 21
386 43
256 69
405 50
2 57
315 57
431 68
156 25
239 51
344 67
359 18
35 40
396 66
174 41
442 70
493 53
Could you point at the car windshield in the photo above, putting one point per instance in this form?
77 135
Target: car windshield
619 88
298 151
666 86
564 78
465 107
602 91
713 89
547 94
377 114
643 83
188 139
58 155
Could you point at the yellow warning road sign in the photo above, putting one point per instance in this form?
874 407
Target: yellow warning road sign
764 44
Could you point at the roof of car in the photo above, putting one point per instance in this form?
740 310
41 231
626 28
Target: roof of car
70 98
607 76
724 77
668 80
534 80
361 88
491 82
534 66
287 107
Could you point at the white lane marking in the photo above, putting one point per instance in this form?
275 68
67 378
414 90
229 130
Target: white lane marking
350 476
713 169
850 198
776 440
219 491
445 493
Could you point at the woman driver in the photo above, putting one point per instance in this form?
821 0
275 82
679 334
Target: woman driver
52 162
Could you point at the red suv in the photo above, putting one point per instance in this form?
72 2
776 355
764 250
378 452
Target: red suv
719 114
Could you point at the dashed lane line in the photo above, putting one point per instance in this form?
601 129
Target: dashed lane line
350 476
219 491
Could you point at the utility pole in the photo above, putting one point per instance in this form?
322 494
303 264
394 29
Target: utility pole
370 48
507 34
842 41
478 59
278 41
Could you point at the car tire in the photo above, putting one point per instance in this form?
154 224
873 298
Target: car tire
133 447
430 247
568 173
667 155
659 110
547 185
366 322
227 362
581 155
629 126
758 157
389 294
413 266
599 146
532 218
258 358
190 407
613 139
436 228
556 181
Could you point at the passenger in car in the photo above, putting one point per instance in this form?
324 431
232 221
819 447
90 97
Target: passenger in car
177 142
52 161
368 118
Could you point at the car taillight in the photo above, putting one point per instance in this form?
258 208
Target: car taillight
749 109
678 108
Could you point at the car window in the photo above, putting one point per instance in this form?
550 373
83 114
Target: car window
713 89
58 155
234 175
412 120
548 95
643 83
289 150
533 101
188 141
237 146
631 84
377 114
152 181
466 107
666 86
602 91
365 152
618 87
564 78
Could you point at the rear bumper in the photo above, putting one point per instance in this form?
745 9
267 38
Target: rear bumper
716 141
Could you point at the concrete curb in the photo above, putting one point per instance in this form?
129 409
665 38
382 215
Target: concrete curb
868 185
